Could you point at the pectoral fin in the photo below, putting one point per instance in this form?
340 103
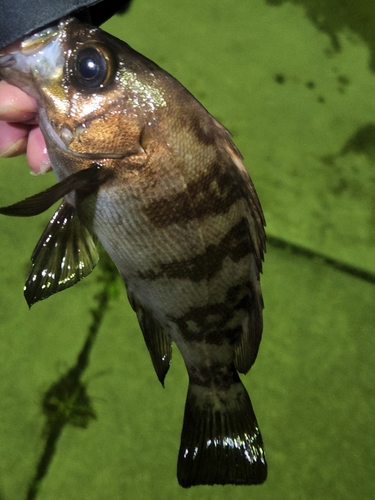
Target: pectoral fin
85 181
65 254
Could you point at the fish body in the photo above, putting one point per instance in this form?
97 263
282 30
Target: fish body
144 167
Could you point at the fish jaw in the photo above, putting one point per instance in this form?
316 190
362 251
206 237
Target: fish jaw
36 58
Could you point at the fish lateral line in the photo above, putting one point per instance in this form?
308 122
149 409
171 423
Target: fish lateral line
85 181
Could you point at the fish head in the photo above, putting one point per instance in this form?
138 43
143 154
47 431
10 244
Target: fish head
94 93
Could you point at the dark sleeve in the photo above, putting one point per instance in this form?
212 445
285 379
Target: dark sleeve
20 17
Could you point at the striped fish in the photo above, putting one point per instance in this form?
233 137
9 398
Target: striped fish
144 167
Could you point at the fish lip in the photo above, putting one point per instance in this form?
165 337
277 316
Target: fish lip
36 40
7 60
33 42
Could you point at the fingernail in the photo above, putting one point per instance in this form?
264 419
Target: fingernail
5 109
15 149
42 169
13 114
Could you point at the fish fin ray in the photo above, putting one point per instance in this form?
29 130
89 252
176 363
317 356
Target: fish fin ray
246 349
256 215
245 352
65 254
220 441
158 342
87 180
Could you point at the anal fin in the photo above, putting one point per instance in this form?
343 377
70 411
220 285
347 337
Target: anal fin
158 342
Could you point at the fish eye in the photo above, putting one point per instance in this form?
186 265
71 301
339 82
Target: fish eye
93 66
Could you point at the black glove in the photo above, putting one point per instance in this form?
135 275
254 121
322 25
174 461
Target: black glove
18 18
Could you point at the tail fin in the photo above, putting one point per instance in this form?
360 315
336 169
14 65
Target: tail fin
220 441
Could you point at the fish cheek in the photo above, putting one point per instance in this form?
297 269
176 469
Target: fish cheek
109 134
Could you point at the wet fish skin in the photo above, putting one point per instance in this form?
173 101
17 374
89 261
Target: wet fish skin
177 213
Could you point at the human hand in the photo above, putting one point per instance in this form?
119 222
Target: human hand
19 132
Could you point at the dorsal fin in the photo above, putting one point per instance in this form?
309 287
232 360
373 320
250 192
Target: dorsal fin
246 349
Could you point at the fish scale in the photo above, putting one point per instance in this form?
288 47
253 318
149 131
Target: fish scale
144 167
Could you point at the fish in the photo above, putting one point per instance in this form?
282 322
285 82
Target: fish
145 169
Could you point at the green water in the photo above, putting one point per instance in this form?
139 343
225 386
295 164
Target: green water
294 82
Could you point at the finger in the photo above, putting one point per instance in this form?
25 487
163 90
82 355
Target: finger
36 154
15 105
13 139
